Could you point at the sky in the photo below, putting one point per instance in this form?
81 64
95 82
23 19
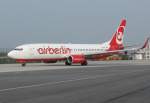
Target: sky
71 21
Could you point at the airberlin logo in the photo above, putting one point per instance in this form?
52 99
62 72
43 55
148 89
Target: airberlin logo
119 35
119 38
50 50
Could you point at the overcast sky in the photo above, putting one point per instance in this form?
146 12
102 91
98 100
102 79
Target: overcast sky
71 21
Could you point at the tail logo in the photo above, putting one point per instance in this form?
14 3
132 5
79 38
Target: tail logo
119 35
119 38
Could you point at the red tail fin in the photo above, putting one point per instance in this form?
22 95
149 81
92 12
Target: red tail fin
116 43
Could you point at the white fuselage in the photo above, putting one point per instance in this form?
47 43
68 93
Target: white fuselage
55 51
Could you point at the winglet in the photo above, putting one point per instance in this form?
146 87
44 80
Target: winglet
146 43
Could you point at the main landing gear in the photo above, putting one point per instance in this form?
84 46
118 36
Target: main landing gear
23 64
70 63
84 63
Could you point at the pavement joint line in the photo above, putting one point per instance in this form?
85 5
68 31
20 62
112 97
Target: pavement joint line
49 83
52 83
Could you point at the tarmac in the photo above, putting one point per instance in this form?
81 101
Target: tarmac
99 82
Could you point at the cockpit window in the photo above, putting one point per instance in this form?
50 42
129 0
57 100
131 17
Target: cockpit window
18 49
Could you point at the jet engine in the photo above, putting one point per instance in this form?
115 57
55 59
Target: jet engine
74 59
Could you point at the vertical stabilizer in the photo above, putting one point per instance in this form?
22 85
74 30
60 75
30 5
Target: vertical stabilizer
116 43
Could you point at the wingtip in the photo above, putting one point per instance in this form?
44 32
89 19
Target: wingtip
146 43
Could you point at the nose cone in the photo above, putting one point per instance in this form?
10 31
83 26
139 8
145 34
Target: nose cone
10 54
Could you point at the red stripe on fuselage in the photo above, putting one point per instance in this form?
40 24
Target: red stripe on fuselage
37 60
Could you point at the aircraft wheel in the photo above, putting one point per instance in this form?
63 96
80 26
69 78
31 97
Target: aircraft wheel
67 63
23 64
84 63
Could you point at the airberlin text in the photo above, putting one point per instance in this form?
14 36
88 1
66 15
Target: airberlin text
50 50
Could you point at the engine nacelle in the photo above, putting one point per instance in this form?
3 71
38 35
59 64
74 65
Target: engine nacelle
77 59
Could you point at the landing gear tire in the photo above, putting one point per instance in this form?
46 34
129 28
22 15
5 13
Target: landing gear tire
84 63
67 63
23 64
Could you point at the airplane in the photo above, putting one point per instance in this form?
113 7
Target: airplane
69 53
